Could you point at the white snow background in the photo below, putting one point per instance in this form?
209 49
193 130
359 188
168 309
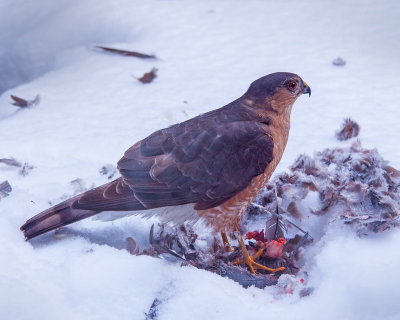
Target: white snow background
92 110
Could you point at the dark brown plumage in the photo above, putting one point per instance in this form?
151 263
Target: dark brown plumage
209 161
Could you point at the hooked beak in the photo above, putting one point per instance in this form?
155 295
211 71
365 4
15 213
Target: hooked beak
306 89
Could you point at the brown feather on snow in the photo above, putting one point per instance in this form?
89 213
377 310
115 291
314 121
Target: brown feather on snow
148 76
25 168
11 162
5 189
349 129
127 53
22 103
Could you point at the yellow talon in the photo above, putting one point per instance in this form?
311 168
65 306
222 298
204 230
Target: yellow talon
250 260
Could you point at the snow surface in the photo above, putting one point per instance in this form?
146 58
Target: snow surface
92 110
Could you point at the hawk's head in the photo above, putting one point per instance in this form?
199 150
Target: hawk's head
277 90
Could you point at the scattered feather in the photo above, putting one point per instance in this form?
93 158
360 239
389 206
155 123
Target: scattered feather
353 184
108 170
132 246
24 168
349 129
152 314
166 243
22 103
274 228
127 53
148 76
11 162
5 189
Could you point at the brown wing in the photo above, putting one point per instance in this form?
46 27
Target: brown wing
206 162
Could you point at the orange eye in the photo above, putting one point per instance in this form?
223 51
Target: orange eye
292 85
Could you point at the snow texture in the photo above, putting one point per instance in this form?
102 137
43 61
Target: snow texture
92 109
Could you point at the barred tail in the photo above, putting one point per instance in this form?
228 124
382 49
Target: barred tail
53 218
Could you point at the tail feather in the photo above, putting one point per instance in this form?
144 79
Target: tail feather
113 196
53 218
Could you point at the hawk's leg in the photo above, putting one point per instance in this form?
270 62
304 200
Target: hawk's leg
250 260
225 241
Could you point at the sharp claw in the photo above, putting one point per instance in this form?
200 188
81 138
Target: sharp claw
250 260
260 266
252 264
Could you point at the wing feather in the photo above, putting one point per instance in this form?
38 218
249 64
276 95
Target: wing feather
205 161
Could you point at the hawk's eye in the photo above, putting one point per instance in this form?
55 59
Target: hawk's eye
292 85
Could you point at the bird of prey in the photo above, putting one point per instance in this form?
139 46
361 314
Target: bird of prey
210 167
